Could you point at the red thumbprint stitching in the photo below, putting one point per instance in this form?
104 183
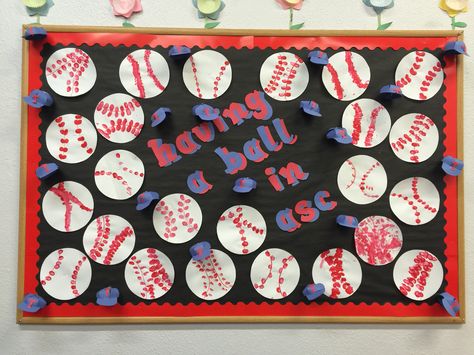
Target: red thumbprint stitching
102 237
419 272
75 274
356 123
136 75
363 187
184 215
118 121
425 84
196 80
284 72
150 71
74 64
51 273
337 273
353 72
219 76
116 243
281 279
212 275
336 82
170 221
371 130
64 140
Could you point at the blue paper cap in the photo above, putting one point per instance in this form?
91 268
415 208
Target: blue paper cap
159 116
35 33
455 47
311 108
391 91
38 98
318 57
107 296
145 198
205 112
339 134
243 185
452 166
46 170
313 291
32 303
200 250
450 303
179 52
347 221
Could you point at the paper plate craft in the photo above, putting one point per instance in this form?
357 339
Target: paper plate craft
44 171
367 122
452 166
68 206
145 199
284 76
347 221
159 116
177 218
119 118
418 274
244 185
420 75
339 271
200 251
212 277
107 296
414 138
311 108
362 179
65 274
207 74
415 201
313 291
318 57
149 274
346 76
339 134
32 303
38 99
70 72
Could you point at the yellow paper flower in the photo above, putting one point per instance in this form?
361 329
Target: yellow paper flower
453 7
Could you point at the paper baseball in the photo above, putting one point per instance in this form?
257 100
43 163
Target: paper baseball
177 218
144 73
149 274
67 206
275 273
119 118
362 179
212 277
414 138
241 229
109 239
415 201
119 174
346 76
71 138
65 274
367 122
339 271
70 72
207 74
378 240
419 75
284 76
418 274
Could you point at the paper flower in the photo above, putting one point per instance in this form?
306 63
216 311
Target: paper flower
126 8
453 8
292 5
209 9
379 6
38 7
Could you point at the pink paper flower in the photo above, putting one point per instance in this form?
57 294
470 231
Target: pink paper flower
290 4
126 8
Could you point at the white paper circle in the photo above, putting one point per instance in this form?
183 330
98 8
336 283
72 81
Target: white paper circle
65 274
284 76
119 174
241 229
419 75
207 74
415 201
212 277
177 218
119 118
144 73
367 122
71 138
149 274
109 239
414 138
339 271
362 179
70 72
346 76
378 240
275 273
67 206
418 274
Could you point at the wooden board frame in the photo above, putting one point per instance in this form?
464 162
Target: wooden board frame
23 319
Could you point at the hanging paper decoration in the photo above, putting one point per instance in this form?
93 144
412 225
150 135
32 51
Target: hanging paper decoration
209 10
292 5
126 8
379 6
454 8
38 8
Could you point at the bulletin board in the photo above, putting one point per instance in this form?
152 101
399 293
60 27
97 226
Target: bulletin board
80 231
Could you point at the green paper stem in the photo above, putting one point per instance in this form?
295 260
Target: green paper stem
453 22
379 20
291 18
38 19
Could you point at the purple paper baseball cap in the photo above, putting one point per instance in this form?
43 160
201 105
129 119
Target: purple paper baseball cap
243 185
200 250
38 98
145 199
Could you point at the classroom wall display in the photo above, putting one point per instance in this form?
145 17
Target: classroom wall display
196 178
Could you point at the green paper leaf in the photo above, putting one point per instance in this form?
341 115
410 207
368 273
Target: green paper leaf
384 26
127 24
209 25
297 26
460 24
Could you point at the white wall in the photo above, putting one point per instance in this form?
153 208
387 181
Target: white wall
213 339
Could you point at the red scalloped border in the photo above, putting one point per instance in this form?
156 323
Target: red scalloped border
239 309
